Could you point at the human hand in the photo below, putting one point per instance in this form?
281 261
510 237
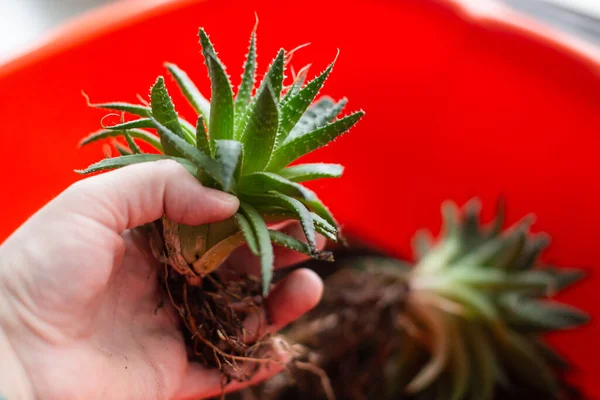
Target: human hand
78 298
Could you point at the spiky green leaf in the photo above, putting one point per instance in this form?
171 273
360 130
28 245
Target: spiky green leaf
202 136
290 204
246 229
301 145
263 241
269 81
260 132
123 161
221 122
189 90
140 134
278 214
135 124
309 172
244 93
291 243
274 75
262 182
296 85
319 114
209 166
297 105
134 109
163 111
229 154
132 145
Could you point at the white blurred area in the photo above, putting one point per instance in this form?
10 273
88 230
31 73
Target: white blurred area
588 7
24 22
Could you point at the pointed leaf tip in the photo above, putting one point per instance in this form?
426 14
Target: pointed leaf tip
295 106
304 144
260 133
221 121
247 84
163 111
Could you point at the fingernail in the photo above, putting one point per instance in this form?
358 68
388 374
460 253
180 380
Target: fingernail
223 196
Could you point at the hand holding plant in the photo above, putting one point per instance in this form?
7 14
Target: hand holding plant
79 293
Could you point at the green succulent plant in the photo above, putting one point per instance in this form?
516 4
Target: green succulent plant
477 305
241 144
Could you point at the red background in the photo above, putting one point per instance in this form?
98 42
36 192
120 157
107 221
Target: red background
456 108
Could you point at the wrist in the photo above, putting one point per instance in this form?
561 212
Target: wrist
14 383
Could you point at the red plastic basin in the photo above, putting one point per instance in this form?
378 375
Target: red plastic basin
458 103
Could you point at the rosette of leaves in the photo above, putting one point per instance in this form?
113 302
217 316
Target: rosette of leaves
241 144
477 306
464 322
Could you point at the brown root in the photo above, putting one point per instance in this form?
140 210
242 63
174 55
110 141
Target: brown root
213 315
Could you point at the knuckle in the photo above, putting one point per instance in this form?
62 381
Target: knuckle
170 166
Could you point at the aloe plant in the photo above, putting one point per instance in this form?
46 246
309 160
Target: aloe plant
482 300
465 321
241 144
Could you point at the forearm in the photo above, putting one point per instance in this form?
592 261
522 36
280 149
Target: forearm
14 383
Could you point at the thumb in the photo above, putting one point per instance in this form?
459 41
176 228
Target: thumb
141 193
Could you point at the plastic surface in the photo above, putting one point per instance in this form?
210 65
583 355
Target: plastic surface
457 106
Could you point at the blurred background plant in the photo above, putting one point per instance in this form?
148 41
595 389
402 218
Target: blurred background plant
24 22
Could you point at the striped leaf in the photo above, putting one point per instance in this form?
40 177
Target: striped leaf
247 231
274 75
221 122
309 172
123 161
277 214
229 154
269 81
140 134
297 85
291 243
295 107
134 109
290 204
263 241
209 166
163 111
135 124
260 132
319 114
244 93
202 137
262 182
301 145
132 145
